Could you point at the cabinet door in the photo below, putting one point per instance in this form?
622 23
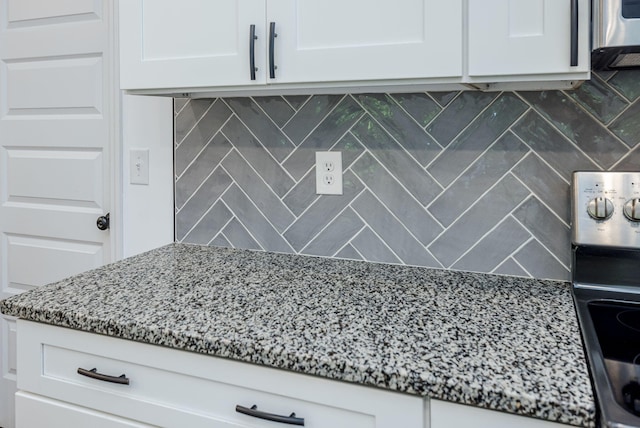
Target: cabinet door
189 43
357 40
519 37
35 411
444 414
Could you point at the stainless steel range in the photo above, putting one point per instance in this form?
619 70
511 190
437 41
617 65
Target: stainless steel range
606 288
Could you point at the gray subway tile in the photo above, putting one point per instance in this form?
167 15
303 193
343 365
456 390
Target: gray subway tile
179 104
631 162
401 127
372 248
200 135
310 115
551 145
406 170
627 82
220 241
269 135
257 156
254 221
627 125
510 267
190 112
239 237
202 200
482 132
323 211
210 225
297 101
323 137
457 115
494 248
489 211
420 106
200 169
340 231
605 75
351 149
481 175
276 108
540 263
546 227
257 190
445 97
397 199
348 252
599 99
302 194
579 127
546 184
392 232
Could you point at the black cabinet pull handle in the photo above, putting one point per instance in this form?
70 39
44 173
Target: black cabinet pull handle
252 51
93 373
574 33
253 411
272 48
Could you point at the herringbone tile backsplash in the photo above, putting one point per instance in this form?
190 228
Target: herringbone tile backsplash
459 180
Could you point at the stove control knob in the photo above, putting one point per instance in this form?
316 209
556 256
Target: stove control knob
600 208
632 209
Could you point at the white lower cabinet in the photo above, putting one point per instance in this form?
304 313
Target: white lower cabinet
35 411
163 387
444 414
173 388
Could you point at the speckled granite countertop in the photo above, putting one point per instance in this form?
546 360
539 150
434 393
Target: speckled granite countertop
498 342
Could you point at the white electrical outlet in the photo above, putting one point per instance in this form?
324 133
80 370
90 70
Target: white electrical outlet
329 173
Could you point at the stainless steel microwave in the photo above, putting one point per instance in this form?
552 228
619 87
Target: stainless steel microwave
615 34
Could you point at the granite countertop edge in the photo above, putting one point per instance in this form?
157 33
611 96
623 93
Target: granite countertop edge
401 376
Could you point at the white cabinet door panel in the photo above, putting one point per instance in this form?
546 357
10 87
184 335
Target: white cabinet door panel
444 414
516 37
190 43
333 40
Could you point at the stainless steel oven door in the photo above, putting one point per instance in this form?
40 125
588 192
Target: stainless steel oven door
616 23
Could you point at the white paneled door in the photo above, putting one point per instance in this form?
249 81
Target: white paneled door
58 102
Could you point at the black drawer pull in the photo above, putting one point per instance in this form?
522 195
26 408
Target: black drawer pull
253 411
93 374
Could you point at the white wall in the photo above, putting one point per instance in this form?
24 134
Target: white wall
147 123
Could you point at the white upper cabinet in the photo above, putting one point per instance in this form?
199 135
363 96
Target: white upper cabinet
337 40
202 43
528 37
189 43
255 47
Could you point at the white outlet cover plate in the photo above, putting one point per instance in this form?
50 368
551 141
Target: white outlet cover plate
336 187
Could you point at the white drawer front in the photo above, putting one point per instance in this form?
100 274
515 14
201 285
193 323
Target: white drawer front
35 411
175 388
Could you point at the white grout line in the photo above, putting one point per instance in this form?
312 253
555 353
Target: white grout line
206 212
349 242
266 218
257 174
331 110
204 147
219 164
178 144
